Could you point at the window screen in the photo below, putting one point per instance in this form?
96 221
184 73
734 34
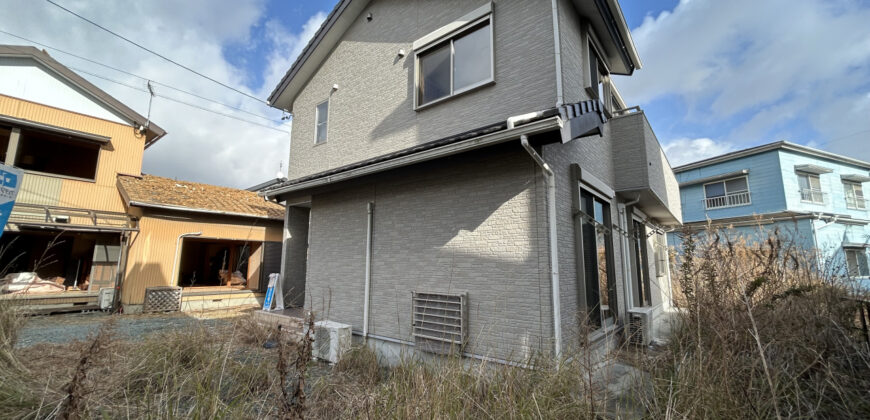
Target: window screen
435 74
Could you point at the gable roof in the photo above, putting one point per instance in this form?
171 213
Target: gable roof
169 194
785 145
154 132
344 13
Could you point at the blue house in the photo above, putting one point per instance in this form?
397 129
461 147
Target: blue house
813 197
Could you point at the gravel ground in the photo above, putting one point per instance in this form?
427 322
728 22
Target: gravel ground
58 329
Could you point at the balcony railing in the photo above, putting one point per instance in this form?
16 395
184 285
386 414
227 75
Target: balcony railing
729 200
809 195
857 203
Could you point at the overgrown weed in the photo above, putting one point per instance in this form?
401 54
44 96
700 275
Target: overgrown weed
764 333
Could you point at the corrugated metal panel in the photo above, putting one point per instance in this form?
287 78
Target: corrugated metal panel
42 190
151 255
254 267
122 155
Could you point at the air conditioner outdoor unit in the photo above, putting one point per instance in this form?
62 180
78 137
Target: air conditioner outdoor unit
640 326
331 340
107 295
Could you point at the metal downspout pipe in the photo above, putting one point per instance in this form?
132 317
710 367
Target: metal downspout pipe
557 53
550 180
368 284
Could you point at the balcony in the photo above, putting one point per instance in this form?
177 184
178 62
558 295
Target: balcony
728 200
813 196
641 170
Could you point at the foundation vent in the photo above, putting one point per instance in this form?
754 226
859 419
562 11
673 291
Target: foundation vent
162 299
440 322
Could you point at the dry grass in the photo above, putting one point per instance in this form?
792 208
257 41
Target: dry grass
447 388
763 335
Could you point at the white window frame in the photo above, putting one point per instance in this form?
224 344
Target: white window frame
856 270
449 38
325 124
608 90
851 187
821 191
725 187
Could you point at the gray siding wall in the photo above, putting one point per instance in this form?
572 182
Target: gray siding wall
468 224
593 154
574 53
372 113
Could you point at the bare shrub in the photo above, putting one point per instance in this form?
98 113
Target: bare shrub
74 405
763 333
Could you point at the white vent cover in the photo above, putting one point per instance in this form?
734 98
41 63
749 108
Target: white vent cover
107 296
440 322
331 340
640 326
162 299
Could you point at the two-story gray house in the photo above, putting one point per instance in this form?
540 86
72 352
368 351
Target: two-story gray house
464 176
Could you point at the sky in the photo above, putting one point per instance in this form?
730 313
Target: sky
717 76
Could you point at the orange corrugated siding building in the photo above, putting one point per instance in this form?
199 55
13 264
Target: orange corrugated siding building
83 197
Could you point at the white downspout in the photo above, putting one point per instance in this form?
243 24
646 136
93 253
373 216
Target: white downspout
177 251
371 208
557 53
550 181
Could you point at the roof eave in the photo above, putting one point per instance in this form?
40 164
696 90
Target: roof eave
71 76
198 210
535 127
782 144
625 32
316 45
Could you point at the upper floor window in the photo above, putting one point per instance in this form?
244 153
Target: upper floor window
597 74
57 154
5 134
456 64
854 195
728 193
856 262
322 118
811 188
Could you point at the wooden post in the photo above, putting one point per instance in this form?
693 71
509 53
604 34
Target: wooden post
12 148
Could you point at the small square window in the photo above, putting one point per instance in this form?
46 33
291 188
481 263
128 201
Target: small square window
322 117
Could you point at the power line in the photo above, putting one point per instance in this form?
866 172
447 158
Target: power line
179 101
836 139
136 75
158 54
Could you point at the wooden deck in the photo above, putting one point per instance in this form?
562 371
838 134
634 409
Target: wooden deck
46 303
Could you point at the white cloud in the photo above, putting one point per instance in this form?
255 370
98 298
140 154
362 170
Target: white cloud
200 146
776 61
685 150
